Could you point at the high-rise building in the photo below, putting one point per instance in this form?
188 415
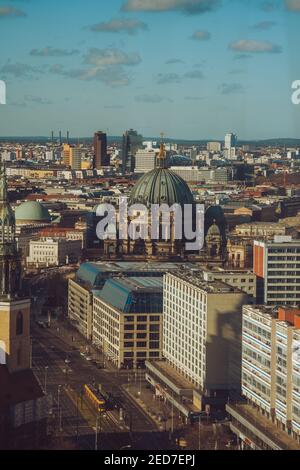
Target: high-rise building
101 157
193 309
72 156
230 141
131 143
76 158
230 146
67 155
277 267
145 160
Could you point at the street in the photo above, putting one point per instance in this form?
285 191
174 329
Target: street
70 417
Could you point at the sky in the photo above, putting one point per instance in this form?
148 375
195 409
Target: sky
193 69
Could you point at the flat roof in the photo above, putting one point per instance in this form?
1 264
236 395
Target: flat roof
194 277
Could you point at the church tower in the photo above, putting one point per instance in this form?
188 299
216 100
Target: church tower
14 307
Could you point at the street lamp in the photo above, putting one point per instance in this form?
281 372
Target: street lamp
45 383
98 428
59 408
199 431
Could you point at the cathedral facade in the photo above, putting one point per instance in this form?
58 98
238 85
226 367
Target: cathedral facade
163 187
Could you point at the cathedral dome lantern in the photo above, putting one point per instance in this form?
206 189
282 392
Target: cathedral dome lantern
161 186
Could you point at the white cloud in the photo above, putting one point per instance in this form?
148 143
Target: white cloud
293 5
52 52
251 46
117 26
186 6
11 12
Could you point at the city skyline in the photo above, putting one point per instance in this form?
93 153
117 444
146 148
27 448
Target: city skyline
193 68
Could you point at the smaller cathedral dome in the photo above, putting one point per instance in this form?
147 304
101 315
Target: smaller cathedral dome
213 230
32 211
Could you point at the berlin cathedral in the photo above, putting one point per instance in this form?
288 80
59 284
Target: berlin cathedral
162 186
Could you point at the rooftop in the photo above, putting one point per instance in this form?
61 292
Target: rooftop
95 274
133 295
249 416
194 278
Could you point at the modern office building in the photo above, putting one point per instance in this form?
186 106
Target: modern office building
91 278
230 146
145 160
194 341
202 324
101 157
132 141
127 320
270 379
230 141
72 156
76 158
277 267
67 155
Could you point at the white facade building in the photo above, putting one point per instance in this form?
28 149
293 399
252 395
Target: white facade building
53 252
202 330
271 364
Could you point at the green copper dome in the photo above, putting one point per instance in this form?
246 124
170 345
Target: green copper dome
32 211
161 186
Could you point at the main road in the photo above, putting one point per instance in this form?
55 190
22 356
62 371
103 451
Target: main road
62 373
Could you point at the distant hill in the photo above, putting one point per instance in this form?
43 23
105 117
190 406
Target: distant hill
275 142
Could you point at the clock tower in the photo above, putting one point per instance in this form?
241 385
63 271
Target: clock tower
14 307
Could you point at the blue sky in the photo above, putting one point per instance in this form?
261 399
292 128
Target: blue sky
194 69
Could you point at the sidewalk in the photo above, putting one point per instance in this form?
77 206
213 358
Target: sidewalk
157 410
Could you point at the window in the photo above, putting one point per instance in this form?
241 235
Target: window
155 318
139 318
154 327
129 319
19 325
128 354
154 336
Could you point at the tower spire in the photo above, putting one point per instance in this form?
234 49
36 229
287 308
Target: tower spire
3 183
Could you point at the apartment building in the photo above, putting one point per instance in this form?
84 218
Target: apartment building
271 375
277 266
